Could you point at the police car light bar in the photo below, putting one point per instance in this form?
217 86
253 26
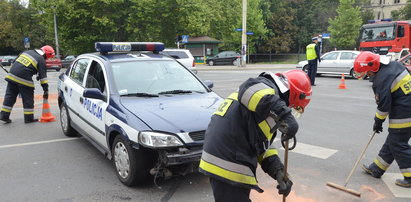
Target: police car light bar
105 47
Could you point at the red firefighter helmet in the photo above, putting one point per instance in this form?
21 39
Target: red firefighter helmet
48 51
300 88
366 61
297 83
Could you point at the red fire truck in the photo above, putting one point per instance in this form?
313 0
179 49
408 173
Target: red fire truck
386 37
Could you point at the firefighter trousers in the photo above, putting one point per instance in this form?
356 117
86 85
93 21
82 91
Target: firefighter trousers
396 148
27 95
226 192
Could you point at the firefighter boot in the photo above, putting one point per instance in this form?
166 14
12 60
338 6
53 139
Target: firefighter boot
31 120
4 118
373 170
406 182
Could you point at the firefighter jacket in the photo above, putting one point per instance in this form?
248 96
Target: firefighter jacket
240 134
27 64
312 51
392 87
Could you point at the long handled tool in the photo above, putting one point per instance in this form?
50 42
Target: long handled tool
344 188
285 164
4 68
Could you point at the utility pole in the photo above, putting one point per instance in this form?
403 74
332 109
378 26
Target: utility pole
244 35
55 33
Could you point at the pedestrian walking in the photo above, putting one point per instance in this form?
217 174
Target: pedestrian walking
242 129
392 87
19 81
313 55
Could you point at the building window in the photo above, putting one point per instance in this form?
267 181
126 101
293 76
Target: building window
396 1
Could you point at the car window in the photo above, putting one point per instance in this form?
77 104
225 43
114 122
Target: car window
70 57
330 56
222 54
153 77
347 56
78 71
176 54
95 77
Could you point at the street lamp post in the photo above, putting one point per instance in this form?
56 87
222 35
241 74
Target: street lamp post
244 35
55 34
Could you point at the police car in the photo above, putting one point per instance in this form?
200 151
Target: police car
144 110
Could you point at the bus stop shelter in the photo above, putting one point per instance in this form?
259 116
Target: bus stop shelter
202 47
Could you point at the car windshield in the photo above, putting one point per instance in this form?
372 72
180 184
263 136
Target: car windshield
150 78
176 54
377 33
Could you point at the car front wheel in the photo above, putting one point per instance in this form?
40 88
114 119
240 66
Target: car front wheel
131 164
65 122
211 63
305 69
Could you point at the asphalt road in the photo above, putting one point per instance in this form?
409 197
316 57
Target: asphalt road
38 163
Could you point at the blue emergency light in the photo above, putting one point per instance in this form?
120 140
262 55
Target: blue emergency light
105 47
382 20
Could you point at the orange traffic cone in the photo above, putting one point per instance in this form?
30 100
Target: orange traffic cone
46 115
342 84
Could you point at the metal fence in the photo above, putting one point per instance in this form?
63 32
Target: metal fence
280 58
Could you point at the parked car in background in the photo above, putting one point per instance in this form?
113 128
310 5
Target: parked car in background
54 63
1 57
334 62
183 56
66 62
406 61
224 58
8 60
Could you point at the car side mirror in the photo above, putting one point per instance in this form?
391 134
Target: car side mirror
94 93
209 84
216 56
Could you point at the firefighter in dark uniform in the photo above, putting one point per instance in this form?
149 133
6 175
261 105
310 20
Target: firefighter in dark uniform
392 89
313 55
242 129
19 81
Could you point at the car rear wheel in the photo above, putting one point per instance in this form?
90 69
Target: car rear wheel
235 62
65 122
131 165
211 63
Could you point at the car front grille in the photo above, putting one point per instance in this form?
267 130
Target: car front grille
197 136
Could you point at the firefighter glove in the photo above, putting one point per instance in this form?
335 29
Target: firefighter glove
284 185
378 125
288 126
46 95
45 87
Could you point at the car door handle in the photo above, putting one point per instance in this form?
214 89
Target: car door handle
81 100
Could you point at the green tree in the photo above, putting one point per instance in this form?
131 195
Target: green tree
344 27
405 12
17 22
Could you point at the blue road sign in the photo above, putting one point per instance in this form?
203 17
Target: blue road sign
184 38
249 33
238 29
326 35
26 40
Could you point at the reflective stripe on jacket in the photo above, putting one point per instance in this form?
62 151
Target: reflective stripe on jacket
310 51
239 134
392 87
27 64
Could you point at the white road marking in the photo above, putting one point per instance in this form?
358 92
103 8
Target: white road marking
397 191
311 150
34 143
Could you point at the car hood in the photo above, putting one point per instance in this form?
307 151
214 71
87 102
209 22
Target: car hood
176 113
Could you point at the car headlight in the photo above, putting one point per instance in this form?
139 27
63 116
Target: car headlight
155 139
